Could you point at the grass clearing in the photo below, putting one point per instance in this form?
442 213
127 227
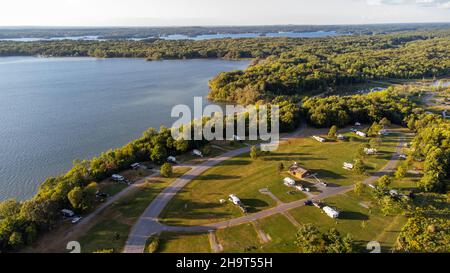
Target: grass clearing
354 211
198 203
184 243
242 238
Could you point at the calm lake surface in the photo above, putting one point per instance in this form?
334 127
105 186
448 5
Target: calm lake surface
55 110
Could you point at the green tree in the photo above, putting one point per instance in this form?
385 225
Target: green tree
167 170
385 122
9 208
309 239
158 153
332 132
359 167
400 172
15 240
253 152
359 188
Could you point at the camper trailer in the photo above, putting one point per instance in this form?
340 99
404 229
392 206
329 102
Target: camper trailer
289 181
235 200
331 212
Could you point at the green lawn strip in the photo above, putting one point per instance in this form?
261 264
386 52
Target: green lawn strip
107 234
242 238
282 233
198 202
114 224
353 212
184 243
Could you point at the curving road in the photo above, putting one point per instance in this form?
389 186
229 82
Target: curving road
148 223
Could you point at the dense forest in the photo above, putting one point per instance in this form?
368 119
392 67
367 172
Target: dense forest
281 66
319 65
192 31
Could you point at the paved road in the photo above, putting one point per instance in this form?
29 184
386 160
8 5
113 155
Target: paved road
148 223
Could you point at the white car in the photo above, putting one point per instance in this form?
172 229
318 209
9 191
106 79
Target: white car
76 220
117 178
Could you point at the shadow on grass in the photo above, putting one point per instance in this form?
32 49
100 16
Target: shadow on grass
254 205
237 162
353 215
217 177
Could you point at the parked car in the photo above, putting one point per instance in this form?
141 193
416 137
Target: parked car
76 219
308 203
118 178
135 166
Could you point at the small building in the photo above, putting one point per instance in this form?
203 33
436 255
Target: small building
318 138
118 178
197 153
348 166
135 166
235 200
331 212
289 181
67 213
361 134
370 151
172 159
297 171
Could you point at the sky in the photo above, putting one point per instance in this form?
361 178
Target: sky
218 12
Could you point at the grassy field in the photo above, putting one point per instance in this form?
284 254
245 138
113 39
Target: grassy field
184 243
359 216
242 238
198 202
114 224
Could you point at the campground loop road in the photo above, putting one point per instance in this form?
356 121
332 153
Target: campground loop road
148 223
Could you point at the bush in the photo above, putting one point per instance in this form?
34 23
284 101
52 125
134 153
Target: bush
167 170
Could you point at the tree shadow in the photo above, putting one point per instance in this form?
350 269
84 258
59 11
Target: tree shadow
217 177
353 215
254 205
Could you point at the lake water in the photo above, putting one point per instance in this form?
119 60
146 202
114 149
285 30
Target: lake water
315 34
55 110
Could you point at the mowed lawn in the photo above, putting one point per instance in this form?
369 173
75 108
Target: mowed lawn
359 216
113 225
184 243
198 203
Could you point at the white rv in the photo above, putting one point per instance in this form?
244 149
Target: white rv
361 134
348 166
289 181
318 138
197 153
234 199
331 212
370 151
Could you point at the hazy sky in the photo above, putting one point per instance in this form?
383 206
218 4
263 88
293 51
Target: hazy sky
218 12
